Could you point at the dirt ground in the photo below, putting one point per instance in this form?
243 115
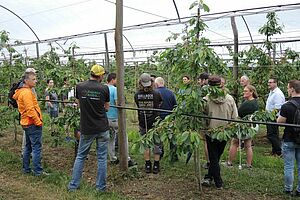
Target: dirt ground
143 186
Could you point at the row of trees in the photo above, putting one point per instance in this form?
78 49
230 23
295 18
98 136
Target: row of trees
191 56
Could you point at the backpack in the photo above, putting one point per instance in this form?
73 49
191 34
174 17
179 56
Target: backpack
11 101
296 121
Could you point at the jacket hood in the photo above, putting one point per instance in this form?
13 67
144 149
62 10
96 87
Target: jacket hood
218 100
18 92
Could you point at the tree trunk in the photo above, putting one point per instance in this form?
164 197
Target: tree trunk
122 136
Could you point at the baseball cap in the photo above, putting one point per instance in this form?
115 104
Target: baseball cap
145 80
97 70
30 69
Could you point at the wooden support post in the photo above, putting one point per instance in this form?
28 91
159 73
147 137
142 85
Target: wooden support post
235 55
122 135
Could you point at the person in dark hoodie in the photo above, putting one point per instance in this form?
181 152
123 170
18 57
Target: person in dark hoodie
218 105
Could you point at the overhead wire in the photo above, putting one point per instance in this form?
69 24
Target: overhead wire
139 10
48 10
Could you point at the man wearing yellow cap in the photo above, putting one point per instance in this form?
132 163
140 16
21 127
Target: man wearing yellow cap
93 98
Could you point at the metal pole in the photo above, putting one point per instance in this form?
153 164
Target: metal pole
106 52
37 50
122 135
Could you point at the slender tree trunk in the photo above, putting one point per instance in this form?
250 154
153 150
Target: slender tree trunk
122 136
235 55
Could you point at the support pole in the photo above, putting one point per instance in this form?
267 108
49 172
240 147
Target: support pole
235 54
106 52
122 135
37 50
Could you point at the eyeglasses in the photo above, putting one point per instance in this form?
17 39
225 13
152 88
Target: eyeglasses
270 82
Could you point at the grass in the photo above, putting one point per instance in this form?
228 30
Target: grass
45 187
264 180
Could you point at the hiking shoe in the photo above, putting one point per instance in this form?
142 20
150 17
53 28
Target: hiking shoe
114 162
148 167
155 167
207 182
219 187
131 163
229 165
296 194
206 165
289 192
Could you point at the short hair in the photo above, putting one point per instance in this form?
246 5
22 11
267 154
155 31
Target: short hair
253 90
295 84
275 79
186 76
160 81
111 76
27 74
245 77
214 80
203 76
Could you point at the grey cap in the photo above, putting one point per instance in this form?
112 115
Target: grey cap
145 80
29 70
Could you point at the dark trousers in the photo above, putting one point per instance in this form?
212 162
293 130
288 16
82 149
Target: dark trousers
273 136
215 150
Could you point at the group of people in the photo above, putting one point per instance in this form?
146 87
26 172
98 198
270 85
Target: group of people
99 122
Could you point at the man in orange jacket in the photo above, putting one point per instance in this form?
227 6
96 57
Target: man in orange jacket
31 122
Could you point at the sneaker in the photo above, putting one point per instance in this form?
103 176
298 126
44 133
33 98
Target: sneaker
289 192
114 162
207 182
148 167
155 168
131 163
220 188
205 165
229 165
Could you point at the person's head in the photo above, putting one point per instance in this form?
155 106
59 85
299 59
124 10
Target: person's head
30 79
185 79
66 81
30 69
223 82
153 77
272 83
97 72
112 79
250 92
214 80
203 79
159 81
244 81
50 83
293 88
145 82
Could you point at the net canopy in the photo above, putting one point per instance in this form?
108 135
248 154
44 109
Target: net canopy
147 24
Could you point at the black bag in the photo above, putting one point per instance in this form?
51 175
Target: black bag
296 121
11 101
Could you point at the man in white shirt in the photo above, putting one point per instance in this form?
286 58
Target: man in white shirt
275 100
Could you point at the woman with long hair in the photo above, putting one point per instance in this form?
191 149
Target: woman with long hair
249 106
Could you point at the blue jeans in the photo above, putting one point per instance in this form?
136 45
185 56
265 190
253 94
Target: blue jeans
33 145
85 144
290 151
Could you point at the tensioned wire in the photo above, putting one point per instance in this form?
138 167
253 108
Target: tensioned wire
186 114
